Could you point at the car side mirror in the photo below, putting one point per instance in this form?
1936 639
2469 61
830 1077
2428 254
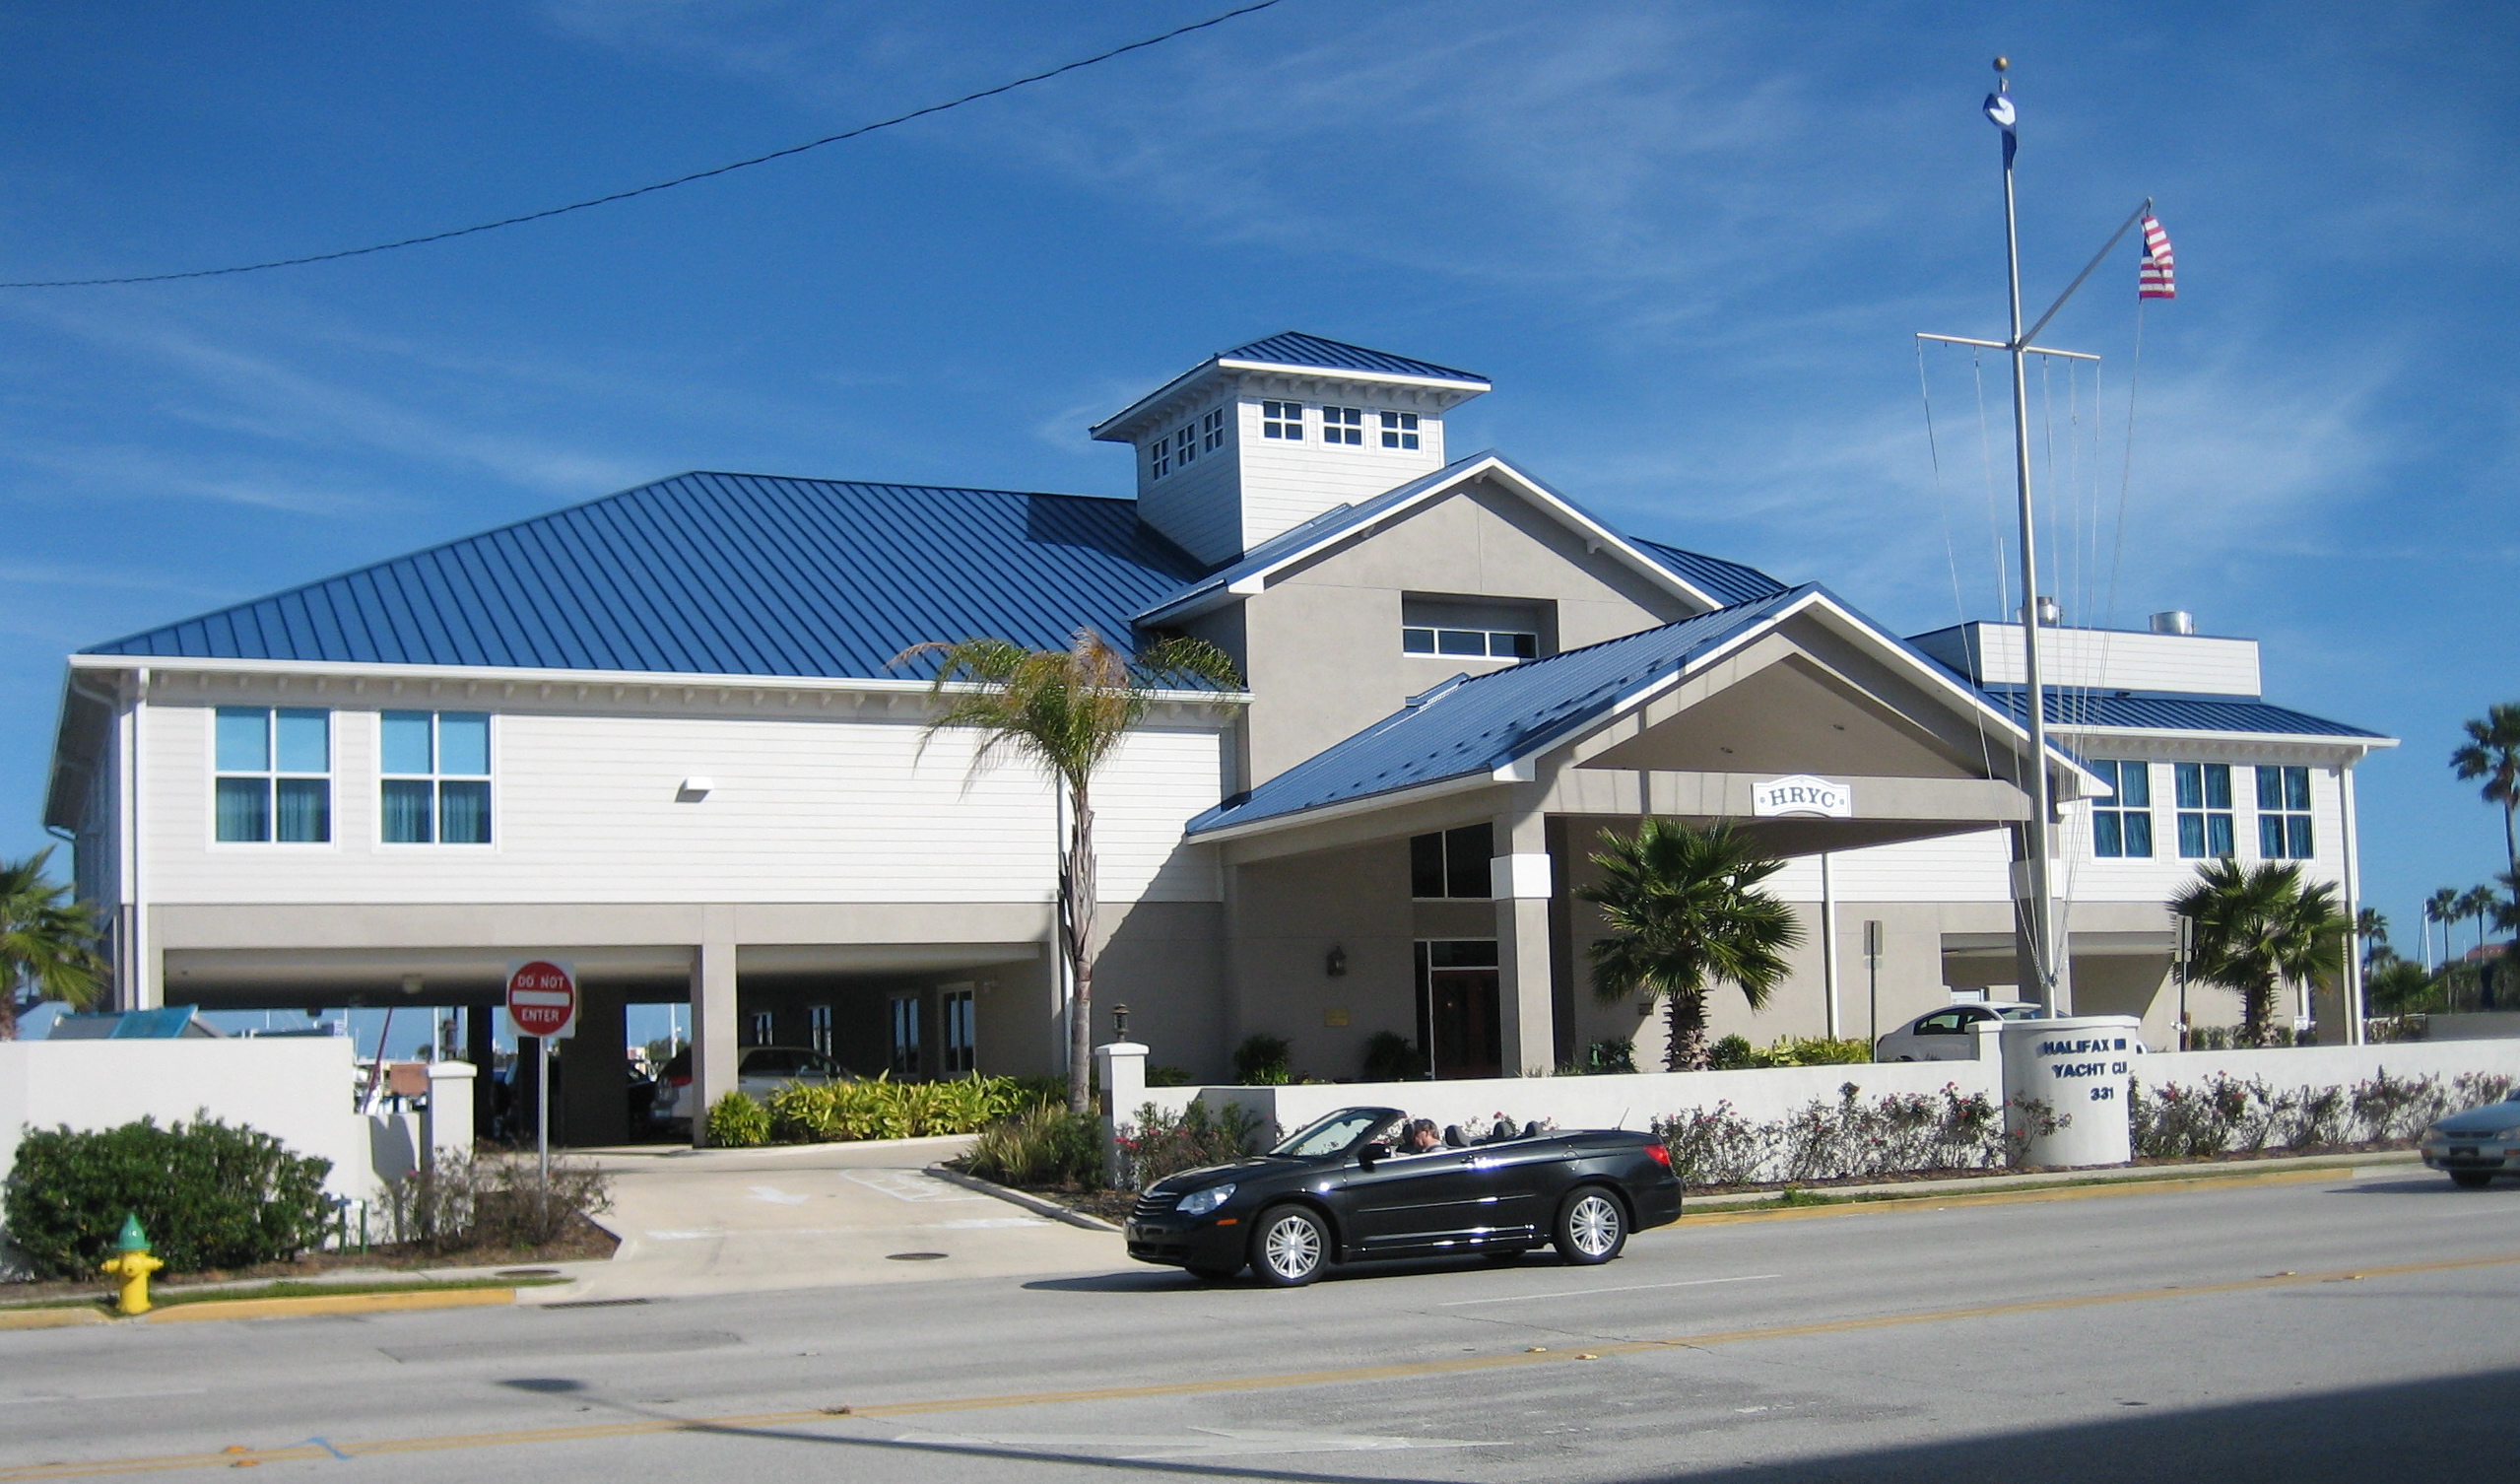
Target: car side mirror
1377 1149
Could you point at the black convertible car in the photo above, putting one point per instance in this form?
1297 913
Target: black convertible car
1345 1189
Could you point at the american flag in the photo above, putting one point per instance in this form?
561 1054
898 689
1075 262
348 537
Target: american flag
2156 281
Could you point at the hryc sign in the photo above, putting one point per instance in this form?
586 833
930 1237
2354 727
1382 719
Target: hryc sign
1802 794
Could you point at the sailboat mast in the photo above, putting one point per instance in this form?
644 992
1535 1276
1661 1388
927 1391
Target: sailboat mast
2047 952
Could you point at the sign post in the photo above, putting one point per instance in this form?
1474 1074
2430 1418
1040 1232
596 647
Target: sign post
542 1002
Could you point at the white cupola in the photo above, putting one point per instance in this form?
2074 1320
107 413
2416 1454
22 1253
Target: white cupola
1260 439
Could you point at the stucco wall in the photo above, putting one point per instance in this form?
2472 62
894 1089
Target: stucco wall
297 1090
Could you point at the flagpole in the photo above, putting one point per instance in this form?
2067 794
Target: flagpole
2047 956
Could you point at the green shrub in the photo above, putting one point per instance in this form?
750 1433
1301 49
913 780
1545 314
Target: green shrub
1263 1061
1159 1144
1732 1053
1167 1076
1603 1058
210 1195
1393 1057
1044 1145
736 1121
883 1108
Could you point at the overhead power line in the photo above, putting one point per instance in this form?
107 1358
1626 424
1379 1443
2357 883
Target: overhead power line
647 190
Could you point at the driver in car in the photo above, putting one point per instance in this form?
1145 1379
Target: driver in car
1419 1136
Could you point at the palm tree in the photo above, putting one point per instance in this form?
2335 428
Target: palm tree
2260 927
1683 910
47 942
2372 930
1065 710
2438 907
2478 901
2398 987
2492 752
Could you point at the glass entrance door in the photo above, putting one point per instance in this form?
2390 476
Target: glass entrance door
1458 1007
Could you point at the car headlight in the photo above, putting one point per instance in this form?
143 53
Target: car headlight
1201 1202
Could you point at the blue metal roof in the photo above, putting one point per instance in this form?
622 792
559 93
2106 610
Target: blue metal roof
720 574
1728 582
2170 711
1475 726
1294 348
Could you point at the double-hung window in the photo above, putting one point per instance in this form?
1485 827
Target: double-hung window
274 769
1281 419
1344 424
2205 809
1400 430
2123 826
2283 813
1452 863
436 784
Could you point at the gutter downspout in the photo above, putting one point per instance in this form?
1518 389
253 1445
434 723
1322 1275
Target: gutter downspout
2355 1009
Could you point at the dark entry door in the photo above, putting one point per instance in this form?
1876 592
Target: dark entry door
1468 1037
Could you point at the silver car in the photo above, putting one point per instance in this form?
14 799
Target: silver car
2474 1146
1949 1034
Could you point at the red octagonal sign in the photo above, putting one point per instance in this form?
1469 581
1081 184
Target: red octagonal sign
541 998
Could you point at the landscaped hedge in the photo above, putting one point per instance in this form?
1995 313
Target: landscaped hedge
209 1196
2227 1116
818 1113
1854 1136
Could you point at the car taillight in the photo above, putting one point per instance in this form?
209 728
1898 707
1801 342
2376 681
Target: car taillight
1660 1154
686 1082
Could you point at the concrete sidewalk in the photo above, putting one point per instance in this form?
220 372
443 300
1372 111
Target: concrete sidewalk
819 1216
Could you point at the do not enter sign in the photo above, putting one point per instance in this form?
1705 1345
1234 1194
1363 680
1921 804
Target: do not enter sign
542 999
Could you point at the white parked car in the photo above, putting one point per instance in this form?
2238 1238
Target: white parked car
1949 1034
763 1071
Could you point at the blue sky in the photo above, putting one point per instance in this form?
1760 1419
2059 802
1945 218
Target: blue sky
1689 245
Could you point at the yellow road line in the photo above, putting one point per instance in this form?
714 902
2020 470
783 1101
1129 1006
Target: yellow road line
1344 1376
2025 1196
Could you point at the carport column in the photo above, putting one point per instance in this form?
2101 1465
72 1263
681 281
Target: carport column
1520 879
715 1056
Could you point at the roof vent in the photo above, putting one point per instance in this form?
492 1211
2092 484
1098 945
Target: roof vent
2176 621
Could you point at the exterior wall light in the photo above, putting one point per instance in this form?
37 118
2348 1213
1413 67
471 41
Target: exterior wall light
693 789
1337 964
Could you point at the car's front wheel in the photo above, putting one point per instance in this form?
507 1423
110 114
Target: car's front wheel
1592 1226
1290 1247
2473 1179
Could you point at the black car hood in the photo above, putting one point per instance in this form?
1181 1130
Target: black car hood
1212 1174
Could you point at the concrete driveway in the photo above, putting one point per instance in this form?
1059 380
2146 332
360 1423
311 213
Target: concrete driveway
829 1215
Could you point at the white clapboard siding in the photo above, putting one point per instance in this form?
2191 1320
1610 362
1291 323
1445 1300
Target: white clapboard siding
586 808
1285 484
1973 867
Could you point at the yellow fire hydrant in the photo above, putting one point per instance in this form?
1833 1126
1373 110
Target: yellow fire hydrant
133 1267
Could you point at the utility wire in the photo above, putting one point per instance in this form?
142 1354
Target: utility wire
643 190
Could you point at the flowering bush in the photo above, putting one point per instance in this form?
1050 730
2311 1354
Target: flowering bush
2229 1116
1158 1143
1851 1138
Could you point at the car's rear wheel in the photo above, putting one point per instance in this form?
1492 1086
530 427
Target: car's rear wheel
1592 1226
1290 1247
2472 1180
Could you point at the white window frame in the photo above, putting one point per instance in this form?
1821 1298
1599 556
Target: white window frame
2120 811
1212 431
1281 419
1343 425
2297 823
438 778
1429 641
1400 430
272 774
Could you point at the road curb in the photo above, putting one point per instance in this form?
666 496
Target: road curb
2022 1195
313 1304
1033 1204
49 1319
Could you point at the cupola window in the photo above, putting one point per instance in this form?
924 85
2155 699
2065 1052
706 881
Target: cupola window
1400 430
1344 424
1281 419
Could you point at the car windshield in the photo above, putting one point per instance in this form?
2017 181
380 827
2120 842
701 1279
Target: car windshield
1334 1133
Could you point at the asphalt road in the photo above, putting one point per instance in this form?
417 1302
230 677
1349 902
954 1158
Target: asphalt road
2365 1329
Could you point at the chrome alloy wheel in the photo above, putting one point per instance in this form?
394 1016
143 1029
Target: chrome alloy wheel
1595 1225
1290 1249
